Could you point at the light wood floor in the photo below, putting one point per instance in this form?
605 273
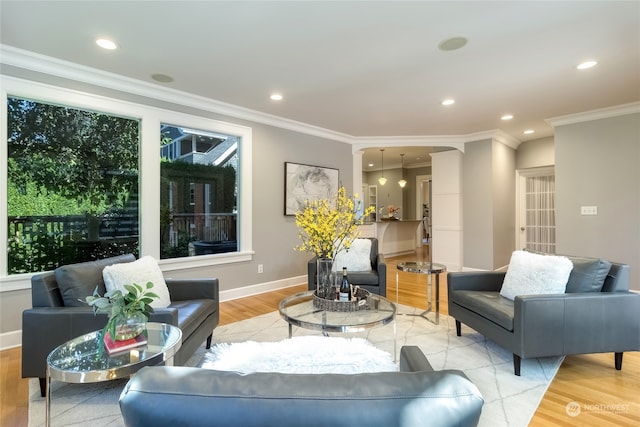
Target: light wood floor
607 397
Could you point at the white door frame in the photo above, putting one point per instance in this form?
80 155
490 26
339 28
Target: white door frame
521 203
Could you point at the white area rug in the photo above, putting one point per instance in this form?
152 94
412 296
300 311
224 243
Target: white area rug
509 400
301 355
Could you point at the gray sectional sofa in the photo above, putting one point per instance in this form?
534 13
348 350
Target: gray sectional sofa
596 314
414 397
58 316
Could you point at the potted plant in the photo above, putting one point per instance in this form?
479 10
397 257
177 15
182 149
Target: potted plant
128 313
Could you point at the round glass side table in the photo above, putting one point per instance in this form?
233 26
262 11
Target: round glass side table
84 360
429 269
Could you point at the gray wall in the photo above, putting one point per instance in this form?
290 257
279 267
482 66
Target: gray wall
477 205
536 153
488 203
504 206
597 164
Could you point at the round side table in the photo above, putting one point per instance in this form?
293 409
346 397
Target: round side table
428 268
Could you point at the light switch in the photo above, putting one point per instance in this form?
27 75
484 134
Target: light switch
589 210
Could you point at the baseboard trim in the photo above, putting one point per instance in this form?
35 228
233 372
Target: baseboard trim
10 340
247 291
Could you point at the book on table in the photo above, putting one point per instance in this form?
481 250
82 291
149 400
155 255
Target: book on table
113 347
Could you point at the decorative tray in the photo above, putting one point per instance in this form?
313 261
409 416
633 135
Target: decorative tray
361 302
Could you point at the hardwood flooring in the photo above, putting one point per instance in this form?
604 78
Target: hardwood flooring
607 397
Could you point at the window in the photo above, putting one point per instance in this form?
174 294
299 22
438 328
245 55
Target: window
198 192
128 215
72 185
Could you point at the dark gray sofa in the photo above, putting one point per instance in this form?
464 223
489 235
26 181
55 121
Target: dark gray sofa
584 319
414 397
374 280
194 309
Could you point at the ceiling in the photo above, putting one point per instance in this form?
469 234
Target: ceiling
359 68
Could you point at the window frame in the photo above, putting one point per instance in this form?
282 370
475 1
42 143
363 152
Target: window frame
149 170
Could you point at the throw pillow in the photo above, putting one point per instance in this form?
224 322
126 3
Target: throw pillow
144 270
356 258
588 274
78 281
532 274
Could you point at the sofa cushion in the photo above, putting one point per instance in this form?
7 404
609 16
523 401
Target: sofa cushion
533 274
588 274
192 314
144 270
490 305
356 258
78 281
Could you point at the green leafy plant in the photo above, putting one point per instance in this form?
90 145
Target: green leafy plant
121 306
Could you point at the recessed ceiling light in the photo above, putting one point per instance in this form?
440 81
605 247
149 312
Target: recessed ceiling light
106 44
586 64
162 78
454 43
448 101
276 97
528 131
507 117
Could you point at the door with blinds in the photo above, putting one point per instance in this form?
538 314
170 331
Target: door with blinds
536 211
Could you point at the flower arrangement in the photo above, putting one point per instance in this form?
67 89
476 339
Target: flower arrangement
122 307
325 230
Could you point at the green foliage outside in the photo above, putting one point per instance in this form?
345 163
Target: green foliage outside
64 165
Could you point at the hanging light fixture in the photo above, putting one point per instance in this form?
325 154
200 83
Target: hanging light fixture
402 181
382 180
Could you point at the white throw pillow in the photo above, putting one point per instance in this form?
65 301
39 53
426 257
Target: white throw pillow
144 270
531 274
357 258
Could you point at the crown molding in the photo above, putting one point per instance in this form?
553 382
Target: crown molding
601 113
68 70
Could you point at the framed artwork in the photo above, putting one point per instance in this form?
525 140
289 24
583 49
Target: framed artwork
307 182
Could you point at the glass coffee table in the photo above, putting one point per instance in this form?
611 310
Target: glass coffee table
84 360
298 310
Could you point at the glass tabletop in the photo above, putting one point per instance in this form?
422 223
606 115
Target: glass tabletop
84 359
298 310
423 267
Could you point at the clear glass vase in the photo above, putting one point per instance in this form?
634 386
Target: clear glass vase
325 279
131 326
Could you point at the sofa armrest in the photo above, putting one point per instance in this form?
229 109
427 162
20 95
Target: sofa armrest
187 289
475 281
412 359
381 267
577 323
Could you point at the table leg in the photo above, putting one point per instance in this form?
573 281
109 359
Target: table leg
290 330
437 299
47 397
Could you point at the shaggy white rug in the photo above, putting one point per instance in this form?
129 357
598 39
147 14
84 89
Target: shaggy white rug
301 355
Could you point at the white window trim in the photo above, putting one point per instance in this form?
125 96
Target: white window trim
149 168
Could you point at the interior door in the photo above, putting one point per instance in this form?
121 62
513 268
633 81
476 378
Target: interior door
536 210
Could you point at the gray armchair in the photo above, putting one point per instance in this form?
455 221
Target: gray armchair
580 321
374 280
57 316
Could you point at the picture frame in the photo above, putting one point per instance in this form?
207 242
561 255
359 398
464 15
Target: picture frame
307 182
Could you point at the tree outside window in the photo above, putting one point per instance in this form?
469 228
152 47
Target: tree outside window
72 185
198 190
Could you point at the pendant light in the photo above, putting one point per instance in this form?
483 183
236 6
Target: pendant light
402 181
382 180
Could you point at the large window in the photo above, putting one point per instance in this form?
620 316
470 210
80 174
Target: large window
72 185
83 177
198 192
